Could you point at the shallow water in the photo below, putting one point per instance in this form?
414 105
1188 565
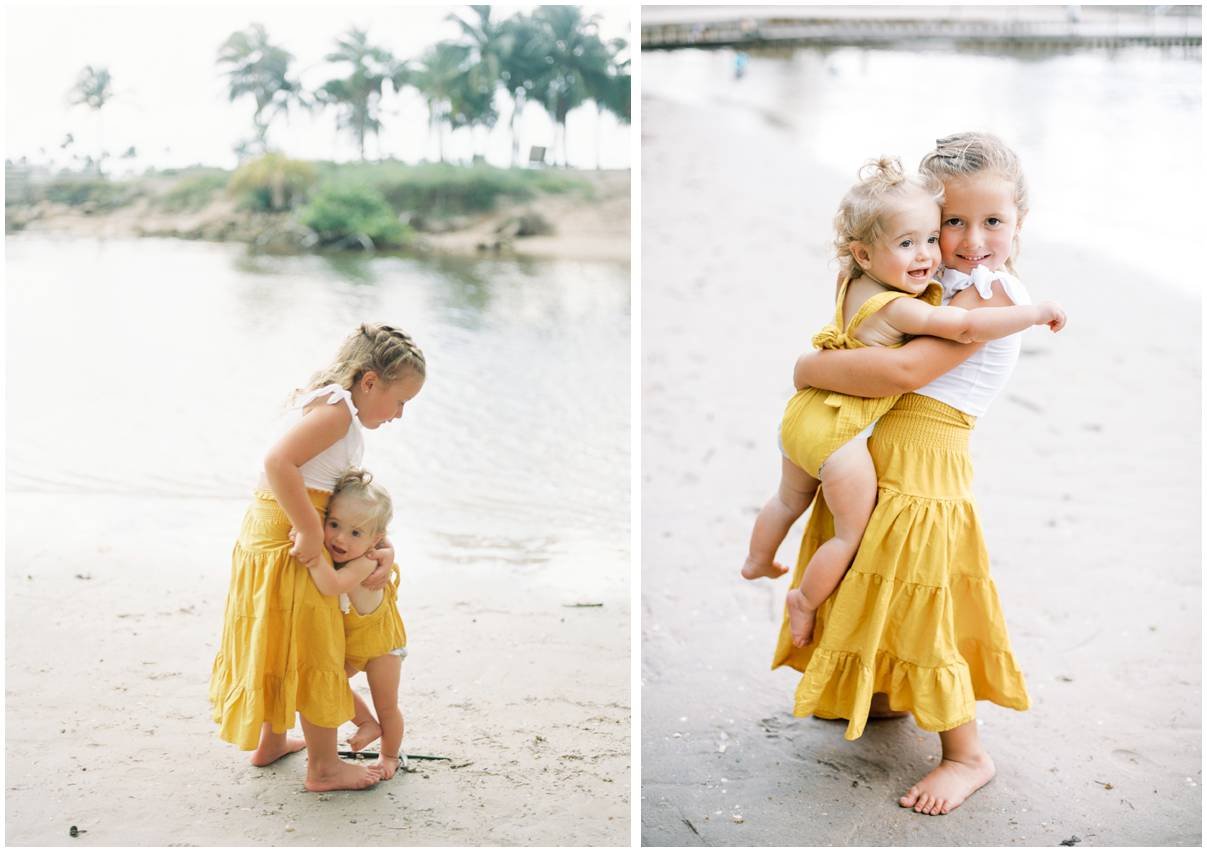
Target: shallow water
1111 141
160 367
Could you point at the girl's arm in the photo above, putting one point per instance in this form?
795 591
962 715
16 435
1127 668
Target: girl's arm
911 316
383 555
877 371
332 582
317 430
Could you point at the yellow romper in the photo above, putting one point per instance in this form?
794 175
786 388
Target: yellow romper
817 422
379 632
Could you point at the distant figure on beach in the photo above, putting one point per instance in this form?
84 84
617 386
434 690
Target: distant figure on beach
375 640
740 60
888 247
916 624
282 650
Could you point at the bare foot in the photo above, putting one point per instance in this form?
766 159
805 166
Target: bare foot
800 618
388 766
752 570
947 785
365 734
272 750
341 776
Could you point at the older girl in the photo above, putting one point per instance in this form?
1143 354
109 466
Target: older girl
916 621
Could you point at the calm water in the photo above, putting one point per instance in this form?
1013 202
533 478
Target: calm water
159 368
1111 141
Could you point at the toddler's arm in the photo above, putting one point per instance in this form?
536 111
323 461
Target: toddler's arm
877 371
315 432
348 577
911 316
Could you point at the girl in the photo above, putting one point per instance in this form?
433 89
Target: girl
282 646
375 639
888 246
916 624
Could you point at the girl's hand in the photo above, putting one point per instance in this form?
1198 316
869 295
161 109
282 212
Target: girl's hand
1052 315
307 547
384 557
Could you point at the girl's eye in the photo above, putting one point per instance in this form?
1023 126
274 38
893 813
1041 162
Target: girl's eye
907 243
951 223
355 533
993 221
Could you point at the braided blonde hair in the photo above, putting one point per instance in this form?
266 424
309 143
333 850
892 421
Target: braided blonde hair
383 349
358 484
862 213
966 154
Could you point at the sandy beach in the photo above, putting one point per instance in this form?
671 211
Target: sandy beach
1087 482
109 652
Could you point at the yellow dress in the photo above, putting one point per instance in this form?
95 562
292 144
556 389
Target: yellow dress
817 422
917 615
282 646
379 632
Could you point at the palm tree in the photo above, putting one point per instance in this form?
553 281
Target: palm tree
483 72
94 88
610 88
259 68
439 77
522 66
358 96
574 53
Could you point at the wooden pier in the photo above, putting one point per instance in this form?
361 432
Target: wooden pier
1015 27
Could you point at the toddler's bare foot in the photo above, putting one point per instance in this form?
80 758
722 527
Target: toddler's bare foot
800 618
273 749
388 766
752 570
341 776
947 785
365 734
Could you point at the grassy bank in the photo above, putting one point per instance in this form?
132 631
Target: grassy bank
286 204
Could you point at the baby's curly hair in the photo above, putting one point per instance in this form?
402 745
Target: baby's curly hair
860 218
358 484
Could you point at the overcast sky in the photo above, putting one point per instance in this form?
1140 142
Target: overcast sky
171 99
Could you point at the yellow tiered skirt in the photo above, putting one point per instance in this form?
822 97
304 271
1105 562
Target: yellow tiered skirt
917 615
282 646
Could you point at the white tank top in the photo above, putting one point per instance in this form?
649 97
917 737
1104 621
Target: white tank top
972 385
324 470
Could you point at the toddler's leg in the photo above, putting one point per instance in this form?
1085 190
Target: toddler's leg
273 747
384 673
786 505
367 729
849 480
324 770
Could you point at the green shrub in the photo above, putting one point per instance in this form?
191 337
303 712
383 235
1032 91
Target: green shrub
447 190
273 182
97 192
194 191
345 212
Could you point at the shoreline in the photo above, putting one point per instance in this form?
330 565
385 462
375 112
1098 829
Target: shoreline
592 229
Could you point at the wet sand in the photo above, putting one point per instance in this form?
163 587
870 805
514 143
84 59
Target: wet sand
1087 483
111 630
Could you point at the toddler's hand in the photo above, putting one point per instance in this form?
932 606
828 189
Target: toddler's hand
307 549
1052 315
